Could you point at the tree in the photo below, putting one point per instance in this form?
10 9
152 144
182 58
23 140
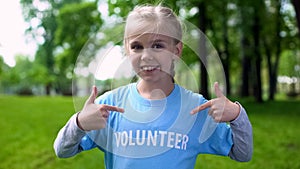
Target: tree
45 17
41 17
272 45
76 24
219 31
257 26
202 24
3 68
225 52
18 79
245 13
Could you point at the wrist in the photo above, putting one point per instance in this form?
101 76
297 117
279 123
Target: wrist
237 109
77 122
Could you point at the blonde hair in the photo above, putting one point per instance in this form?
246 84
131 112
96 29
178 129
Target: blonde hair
153 19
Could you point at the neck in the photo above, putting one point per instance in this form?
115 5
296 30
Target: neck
155 91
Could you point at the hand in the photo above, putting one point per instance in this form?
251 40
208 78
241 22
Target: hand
221 108
94 116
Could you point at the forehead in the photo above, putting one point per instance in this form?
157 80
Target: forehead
136 27
149 37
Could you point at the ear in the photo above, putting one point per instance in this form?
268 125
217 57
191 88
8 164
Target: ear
178 49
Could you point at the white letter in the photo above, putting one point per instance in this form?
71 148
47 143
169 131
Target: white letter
152 138
177 140
139 138
117 136
185 139
162 134
124 139
170 139
131 138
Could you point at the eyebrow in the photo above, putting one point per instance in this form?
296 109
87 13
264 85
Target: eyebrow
159 40
153 41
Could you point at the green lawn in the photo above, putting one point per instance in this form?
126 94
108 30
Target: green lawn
29 126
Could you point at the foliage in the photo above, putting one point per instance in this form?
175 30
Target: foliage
52 25
81 21
260 31
24 77
4 79
1 65
290 63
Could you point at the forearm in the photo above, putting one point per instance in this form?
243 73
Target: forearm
67 142
242 148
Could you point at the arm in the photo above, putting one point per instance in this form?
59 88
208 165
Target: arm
224 110
92 117
67 142
242 148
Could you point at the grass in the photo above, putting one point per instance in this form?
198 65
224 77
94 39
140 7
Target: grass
29 126
276 138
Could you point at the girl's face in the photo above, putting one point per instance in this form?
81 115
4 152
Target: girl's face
152 55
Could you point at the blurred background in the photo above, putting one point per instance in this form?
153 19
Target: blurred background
258 43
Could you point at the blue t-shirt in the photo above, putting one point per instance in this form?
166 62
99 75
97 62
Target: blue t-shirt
157 133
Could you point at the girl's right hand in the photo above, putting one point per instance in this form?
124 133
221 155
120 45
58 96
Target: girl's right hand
94 116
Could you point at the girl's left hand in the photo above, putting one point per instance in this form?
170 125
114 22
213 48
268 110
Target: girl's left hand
221 108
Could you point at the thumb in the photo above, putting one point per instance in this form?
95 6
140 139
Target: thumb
218 91
93 95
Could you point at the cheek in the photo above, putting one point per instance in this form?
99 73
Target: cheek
134 60
166 65
166 61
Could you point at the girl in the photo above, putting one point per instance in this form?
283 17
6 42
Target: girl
155 123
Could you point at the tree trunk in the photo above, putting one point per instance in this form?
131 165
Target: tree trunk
226 55
271 71
246 47
296 4
273 67
203 51
246 63
257 88
48 89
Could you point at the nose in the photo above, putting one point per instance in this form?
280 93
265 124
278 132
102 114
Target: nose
147 55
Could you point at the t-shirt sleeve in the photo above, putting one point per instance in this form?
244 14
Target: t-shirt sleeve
214 138
87 143
220 142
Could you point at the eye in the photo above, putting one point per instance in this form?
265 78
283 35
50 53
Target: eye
158 46
136 47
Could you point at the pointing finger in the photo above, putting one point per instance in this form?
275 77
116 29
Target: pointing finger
201 107
112 108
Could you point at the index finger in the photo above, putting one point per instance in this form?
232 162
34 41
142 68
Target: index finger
113 108
201 107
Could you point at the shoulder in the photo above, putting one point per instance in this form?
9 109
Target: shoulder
189 94
118 93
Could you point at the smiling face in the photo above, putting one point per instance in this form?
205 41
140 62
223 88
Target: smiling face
152 56
152 40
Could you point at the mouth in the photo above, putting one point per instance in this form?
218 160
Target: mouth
149 68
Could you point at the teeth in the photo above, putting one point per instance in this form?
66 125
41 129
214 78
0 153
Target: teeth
148 68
